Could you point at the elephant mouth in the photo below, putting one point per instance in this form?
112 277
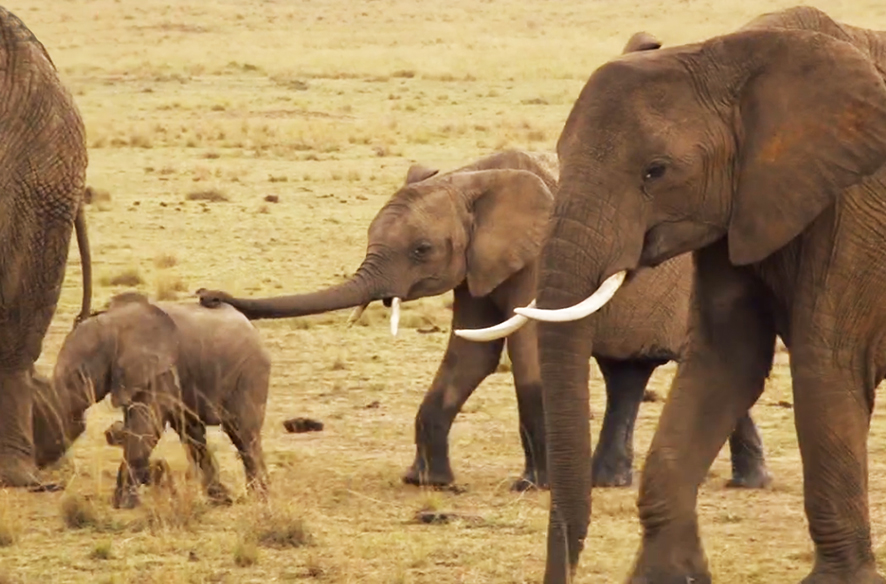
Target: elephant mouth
387 301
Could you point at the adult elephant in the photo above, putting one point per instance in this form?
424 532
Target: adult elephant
477 231
763 152
43 157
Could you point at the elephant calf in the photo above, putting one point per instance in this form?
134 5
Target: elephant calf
184 365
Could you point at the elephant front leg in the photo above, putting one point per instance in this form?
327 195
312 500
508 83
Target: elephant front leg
17 466
748 461
143 427
464 366
832 413
729 355
614 455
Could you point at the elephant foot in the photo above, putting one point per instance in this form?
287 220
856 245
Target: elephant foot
670 579
125 498
439 475
867 575
18 472
672 556
531 479
756 478
218 494
614 474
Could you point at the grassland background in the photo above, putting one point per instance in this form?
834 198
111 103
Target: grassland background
325 105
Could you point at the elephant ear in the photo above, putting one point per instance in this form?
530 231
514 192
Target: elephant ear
641 41
812 122
147 344
418 173
509 211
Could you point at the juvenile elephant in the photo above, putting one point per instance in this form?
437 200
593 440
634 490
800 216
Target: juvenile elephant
764 153
43 153
185 365
477 231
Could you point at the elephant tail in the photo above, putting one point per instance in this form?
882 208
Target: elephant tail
85 263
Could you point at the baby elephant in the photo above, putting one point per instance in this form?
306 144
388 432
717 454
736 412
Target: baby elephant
162 362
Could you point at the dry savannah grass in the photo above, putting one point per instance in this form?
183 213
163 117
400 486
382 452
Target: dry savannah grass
245 145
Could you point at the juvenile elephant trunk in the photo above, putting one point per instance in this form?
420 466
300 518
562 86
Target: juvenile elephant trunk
357 291
575 261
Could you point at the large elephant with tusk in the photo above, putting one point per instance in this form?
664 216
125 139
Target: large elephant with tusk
764 153
477 231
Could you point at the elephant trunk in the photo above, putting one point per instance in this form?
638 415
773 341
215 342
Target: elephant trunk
359 290
583 250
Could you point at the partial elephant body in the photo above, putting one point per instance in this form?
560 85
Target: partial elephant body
43 157
477 231
183 365
763 152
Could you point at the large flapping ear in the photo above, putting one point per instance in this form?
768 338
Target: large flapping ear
147 344
641 41
509 211
418 173
812 122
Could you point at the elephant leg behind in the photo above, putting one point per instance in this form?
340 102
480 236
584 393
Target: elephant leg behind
32 264
244 416
625 384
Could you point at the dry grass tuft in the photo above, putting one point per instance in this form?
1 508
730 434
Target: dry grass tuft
169 287
128 277
80 512
280 528
102 550
165 260
209 195
245 553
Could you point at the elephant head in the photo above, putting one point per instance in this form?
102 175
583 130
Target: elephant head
119 351
479 225
746 137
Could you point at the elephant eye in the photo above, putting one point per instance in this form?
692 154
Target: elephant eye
654 171
421 250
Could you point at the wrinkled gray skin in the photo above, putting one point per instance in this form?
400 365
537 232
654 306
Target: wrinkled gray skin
43 160
762 152
482 226
185 365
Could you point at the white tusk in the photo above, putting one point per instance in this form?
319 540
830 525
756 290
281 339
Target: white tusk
498 331
395 316
588 306
356 314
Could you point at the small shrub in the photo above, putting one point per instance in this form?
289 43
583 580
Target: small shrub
169 287
165 260
281 529
210 195
245 553
78 512
101 551
129 277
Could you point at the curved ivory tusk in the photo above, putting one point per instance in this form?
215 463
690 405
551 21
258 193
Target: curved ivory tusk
395 316
356 314
498 331
588 306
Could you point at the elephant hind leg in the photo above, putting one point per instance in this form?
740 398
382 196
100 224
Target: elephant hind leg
193 435
748 461
614 455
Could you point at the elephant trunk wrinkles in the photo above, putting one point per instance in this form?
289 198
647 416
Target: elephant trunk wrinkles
575 260
360 289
